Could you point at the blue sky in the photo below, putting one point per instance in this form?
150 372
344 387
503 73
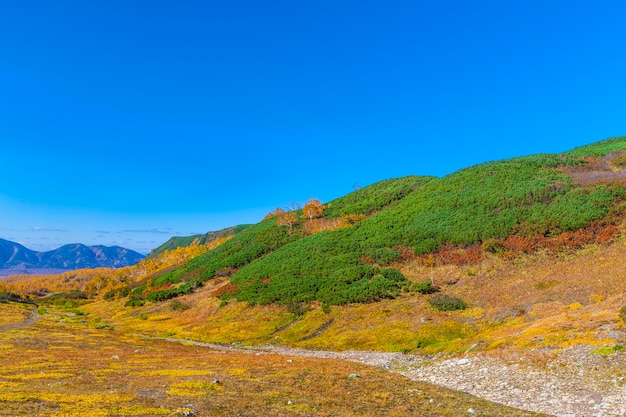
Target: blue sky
125 123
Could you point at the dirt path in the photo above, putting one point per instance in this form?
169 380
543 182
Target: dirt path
574 383
31 319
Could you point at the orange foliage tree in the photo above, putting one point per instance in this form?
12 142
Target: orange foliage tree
275 213
287 218
313 208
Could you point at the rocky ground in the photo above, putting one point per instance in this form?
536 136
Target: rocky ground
571 382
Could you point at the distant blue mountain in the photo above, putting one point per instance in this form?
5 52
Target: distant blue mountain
19 259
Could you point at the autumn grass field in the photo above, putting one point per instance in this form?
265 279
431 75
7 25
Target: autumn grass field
63 366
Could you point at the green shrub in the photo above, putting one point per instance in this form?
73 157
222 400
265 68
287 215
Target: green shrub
493 246
177 305
425 287
6 297
375 197
393 274
110 295
168 278
622 314
608 350
117 293
70 299
138 291
445 302
161 295
601 148
297 309
226 271
134 303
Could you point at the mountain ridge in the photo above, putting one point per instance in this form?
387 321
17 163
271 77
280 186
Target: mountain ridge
199 239
16 258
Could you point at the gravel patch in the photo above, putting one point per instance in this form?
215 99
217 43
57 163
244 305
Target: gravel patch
568 383
574 383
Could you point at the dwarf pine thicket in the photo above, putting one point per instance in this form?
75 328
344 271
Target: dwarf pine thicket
411 216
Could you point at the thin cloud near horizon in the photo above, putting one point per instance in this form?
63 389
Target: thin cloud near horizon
155 230
46 229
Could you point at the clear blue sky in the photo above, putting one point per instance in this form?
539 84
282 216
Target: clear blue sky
127 122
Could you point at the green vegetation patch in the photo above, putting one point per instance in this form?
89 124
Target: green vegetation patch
425 287
608 350
600 149
67 300
375 197
166 294
443 302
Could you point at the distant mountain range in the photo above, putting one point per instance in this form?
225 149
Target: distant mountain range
17 259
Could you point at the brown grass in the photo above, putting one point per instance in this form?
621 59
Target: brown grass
608 170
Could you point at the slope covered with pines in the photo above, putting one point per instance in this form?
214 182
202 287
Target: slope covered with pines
351 250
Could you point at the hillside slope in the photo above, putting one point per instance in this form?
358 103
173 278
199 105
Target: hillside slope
201 239
351 251
269 238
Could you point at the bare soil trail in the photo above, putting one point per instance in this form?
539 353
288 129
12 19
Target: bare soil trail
31 319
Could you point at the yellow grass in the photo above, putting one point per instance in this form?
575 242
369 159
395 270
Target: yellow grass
13 313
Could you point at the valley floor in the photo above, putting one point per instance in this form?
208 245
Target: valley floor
59 366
